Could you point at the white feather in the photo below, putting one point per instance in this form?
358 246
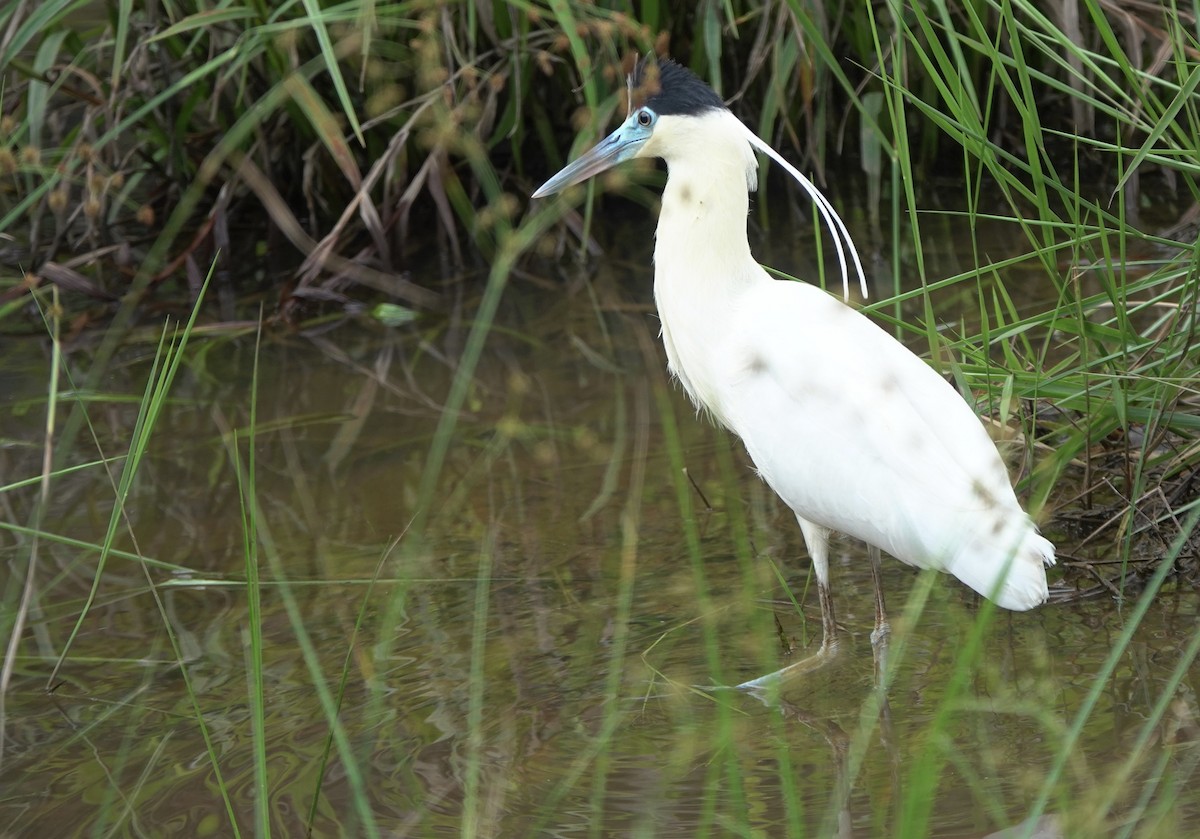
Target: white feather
837 227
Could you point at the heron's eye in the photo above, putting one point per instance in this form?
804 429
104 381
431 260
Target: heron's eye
645 118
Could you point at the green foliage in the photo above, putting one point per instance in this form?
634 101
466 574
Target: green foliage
361 132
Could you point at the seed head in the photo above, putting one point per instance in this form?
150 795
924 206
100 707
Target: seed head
57 200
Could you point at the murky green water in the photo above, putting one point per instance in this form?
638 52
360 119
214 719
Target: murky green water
524 657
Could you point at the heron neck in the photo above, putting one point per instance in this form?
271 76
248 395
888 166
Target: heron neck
702 257
711 169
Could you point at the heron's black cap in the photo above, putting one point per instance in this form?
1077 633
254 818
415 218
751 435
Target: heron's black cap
669 88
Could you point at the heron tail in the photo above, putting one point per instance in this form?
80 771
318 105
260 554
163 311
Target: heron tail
1014 579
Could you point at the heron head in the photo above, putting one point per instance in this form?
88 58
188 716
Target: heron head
665 90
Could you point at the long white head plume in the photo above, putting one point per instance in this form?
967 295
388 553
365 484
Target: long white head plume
837 227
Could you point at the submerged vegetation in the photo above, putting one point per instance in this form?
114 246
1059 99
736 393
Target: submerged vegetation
304 159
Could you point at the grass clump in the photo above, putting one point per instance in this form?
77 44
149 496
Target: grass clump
135 141
346 138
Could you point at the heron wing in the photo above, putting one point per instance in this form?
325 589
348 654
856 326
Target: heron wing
854 431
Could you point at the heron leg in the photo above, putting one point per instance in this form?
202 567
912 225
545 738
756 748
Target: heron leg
881 622
817 540
879 650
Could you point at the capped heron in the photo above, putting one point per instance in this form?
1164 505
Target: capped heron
852 430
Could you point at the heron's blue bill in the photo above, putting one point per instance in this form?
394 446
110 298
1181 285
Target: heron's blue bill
617 147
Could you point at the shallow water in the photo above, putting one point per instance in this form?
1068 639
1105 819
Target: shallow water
532 650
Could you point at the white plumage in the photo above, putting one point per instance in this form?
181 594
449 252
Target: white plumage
852 430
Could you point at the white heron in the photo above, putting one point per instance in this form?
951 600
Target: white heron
852 430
